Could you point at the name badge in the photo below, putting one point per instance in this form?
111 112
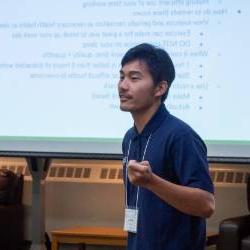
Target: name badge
131 219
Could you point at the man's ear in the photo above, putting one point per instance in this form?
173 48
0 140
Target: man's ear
161 89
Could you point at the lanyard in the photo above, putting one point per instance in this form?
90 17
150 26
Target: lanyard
126 182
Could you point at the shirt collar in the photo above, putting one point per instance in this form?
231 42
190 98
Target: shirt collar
153 123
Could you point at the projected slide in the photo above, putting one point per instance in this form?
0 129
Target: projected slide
60 61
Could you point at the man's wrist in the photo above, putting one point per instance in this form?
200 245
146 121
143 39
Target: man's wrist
151 181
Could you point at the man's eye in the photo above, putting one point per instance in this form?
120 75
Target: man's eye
121 78
134 78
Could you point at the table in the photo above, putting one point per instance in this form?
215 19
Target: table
109 236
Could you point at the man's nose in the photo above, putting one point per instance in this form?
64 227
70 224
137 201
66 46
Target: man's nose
123 84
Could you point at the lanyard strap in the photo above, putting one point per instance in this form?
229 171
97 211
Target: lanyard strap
126 182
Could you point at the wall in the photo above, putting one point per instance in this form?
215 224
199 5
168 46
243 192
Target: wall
95 197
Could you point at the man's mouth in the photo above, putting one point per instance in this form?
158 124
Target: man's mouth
124 98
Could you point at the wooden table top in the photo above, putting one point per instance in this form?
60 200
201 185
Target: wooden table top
91 231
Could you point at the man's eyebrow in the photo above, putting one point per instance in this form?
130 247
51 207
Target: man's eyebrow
135 72
131 72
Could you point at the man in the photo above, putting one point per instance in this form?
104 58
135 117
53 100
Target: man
168 189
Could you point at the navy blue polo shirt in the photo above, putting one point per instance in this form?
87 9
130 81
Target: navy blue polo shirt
177 154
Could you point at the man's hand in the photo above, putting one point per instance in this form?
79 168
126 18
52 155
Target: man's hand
139 173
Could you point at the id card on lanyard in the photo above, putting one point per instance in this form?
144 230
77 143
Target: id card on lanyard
132 213
131 220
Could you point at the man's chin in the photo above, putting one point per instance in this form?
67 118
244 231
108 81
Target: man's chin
124 108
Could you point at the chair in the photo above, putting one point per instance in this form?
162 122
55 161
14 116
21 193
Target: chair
11 210
234 233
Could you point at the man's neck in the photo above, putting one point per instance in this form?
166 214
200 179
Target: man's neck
142 118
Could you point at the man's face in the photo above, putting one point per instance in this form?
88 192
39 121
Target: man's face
136 87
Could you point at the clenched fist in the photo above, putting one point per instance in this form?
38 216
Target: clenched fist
139 173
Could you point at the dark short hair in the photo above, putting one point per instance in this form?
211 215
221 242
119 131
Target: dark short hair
159 63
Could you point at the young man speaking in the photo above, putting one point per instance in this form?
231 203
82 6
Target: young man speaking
168 190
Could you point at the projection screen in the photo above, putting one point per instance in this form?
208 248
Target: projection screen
60 62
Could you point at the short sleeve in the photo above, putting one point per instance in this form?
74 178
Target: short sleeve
189 159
